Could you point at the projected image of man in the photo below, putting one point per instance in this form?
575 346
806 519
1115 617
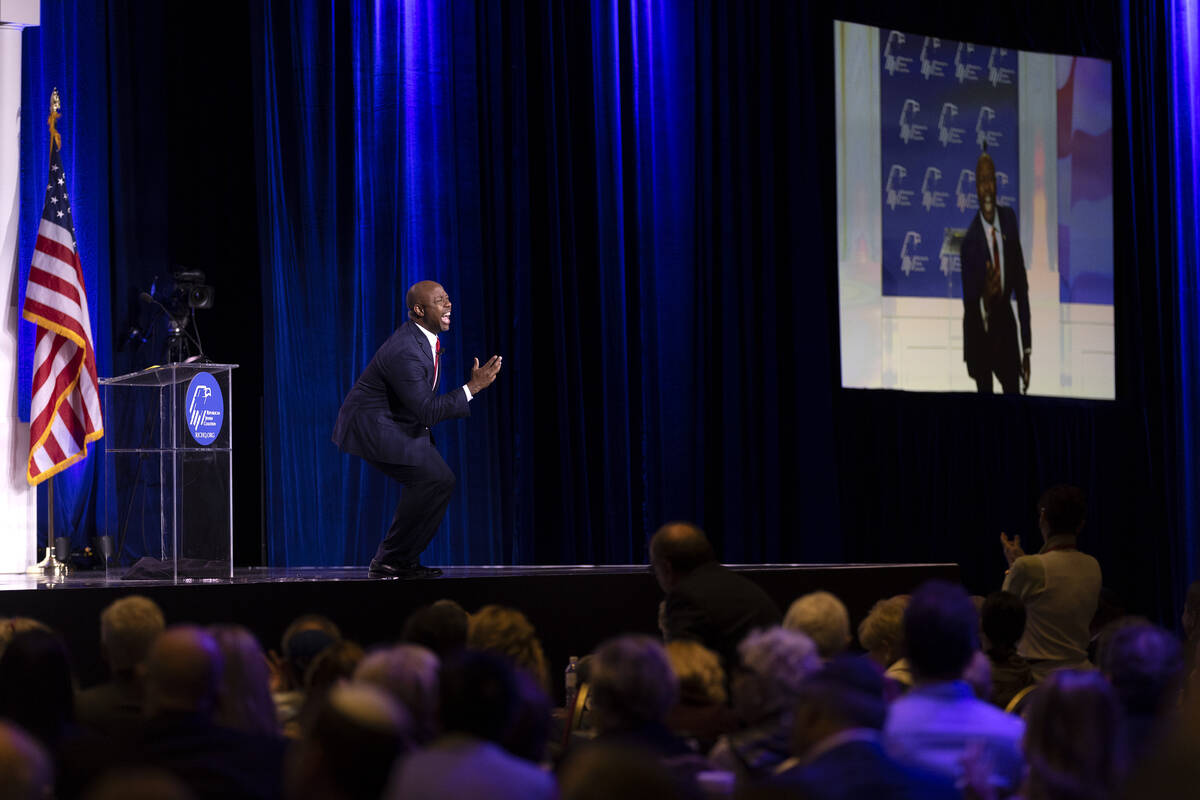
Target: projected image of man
993 274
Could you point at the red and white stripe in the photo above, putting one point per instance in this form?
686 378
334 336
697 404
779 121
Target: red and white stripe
65 411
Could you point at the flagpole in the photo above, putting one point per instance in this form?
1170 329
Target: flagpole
50 566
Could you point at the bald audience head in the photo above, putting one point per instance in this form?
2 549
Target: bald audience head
25 768
183 672
676 550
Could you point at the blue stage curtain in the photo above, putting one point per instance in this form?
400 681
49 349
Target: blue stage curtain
68 51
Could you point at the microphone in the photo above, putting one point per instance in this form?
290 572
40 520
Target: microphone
177 327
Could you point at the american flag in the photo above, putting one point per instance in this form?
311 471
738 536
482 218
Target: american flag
65 412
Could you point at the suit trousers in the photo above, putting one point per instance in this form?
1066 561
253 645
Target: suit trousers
427 488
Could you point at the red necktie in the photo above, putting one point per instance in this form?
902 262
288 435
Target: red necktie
996 257
437 363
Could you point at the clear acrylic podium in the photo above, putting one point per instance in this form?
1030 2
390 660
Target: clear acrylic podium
168 477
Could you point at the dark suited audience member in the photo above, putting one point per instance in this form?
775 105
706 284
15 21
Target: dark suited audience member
441 627
245 699
603 772
348 751
1074 743
632 690
1003 619
935 724
303 640
704 600
839 714
128 627
702 712
183 681
775 663
26 772
409 673
824 619
1144 664
479 699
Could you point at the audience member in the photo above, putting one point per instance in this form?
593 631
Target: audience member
1003 619
529 732
334 664
441 627
1073 739
245 698
881 634
479 699
604 772
1145 667
128 627
839 714
509 632
302 642
36 687
632 690
935 724
775 663
702 712
824 619
1059 585
348 751
704 600
1190 619
409 673
138 783
183 680
26 772
15 625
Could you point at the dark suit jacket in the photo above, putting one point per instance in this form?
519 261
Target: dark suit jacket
718 607
978 344
862 771
387 415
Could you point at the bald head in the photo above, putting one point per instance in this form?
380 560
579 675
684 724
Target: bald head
676 549
428 305
183 671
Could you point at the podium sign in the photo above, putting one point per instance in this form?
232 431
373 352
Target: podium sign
168 478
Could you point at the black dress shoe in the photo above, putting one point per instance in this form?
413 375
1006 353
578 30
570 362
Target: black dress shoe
425 572
382 571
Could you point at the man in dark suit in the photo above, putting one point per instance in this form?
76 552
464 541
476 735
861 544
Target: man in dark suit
993 272
387 419
705 601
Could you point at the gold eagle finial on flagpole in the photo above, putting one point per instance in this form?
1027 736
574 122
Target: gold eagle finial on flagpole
55 105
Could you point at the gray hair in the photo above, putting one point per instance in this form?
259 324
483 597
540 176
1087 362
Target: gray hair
824 618
409 673
632 682
128 627
780 660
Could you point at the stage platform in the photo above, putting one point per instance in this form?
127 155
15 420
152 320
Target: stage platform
574 608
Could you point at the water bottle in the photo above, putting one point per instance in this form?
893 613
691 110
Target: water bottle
571 681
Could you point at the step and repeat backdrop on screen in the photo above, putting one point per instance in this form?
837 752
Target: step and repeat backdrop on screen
975 244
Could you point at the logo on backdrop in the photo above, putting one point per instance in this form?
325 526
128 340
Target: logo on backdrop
895 195
999 74
910 262
911 131
965 70
891 62
930 196
205 408
930 66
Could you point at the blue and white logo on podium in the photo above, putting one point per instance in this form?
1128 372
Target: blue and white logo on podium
205 408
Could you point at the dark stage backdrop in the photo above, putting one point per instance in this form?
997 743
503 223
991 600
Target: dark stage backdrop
632 202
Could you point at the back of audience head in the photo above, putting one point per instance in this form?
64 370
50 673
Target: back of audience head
128 627
881 633
844 694
478 695
1063 510
183 672
302 641
676 550
940 631
14 625
1144 664
441 627
138 783
775 663
1003 621
1073 738
606 771
349 746
245 700
632 683
36 688
701 678
529 731
409 673
507 631
824 618
26 772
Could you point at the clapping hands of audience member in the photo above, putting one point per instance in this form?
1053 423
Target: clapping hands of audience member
1012 547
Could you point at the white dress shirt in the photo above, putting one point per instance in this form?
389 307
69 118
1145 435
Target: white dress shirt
433 340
